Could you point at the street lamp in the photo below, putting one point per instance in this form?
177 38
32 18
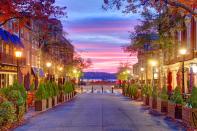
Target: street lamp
142 70
183 51
18 55
60 69
48 64
153 63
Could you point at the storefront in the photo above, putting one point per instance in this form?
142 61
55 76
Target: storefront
37 75
7 75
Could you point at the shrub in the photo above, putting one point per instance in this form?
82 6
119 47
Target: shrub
49 89
147 90
177 97
154 92
41 93
55 89
193 98
7 113
32 87
68 87
164 93
134 90
21 88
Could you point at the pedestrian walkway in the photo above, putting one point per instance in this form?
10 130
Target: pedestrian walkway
100 112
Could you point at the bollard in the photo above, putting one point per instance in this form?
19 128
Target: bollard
92 89
112 90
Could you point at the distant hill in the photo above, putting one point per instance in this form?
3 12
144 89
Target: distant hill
99 75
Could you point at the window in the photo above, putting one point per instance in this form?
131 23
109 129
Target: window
7 48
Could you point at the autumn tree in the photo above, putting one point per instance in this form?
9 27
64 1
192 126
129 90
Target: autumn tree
23 10
155 31
184 6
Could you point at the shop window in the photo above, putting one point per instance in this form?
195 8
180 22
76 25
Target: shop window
7 48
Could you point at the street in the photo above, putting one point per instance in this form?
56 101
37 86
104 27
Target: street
100 112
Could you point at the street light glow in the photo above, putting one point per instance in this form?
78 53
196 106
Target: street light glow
142 69
153 62
128 71
48 64
18 54
60 69
182 51
74 71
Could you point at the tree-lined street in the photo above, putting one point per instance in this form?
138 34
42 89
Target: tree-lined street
100 112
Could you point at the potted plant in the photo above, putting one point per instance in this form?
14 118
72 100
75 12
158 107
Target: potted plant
189 112
134 91
175 104
146 92
40 98
162 101
61 93
153 98
31 95
55 94
49 92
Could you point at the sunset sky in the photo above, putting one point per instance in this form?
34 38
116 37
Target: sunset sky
98 34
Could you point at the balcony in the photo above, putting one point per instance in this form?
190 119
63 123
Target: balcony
11 60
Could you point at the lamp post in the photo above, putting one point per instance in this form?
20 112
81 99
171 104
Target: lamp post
183 51
61 78
142 70
48 65
18 55
153 63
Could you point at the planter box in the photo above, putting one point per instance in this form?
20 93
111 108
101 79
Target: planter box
153 102
49 103
189 117
54 101
146 100
174 110
162 105
61 97
40 105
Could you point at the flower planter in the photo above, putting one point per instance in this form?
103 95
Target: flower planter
189 117
54 101
30 98
162 105
40 105
174 110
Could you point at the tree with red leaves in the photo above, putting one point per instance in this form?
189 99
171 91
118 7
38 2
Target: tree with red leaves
23 10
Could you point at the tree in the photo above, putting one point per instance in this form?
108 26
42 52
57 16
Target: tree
155 31
23 10
124 72
185 6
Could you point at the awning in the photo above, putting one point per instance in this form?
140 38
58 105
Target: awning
38 72
4 35
8 37
42 73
